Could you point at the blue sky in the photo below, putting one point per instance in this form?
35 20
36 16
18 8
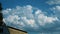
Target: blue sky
33 16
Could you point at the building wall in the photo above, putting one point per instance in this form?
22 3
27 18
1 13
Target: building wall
13 31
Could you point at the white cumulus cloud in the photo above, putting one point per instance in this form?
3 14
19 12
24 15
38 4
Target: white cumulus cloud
24 16
43 19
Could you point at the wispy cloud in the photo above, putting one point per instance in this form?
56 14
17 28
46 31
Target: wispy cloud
52 2
56 10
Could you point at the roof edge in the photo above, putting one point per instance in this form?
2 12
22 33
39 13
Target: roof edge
16 29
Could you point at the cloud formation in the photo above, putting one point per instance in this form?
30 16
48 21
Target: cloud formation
26 17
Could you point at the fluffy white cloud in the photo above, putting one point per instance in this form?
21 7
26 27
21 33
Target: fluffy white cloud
51 2
20 14
43 19
13 18
23 16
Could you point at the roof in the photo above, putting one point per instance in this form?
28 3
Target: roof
17 29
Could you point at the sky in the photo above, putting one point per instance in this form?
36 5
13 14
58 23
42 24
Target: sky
33 16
